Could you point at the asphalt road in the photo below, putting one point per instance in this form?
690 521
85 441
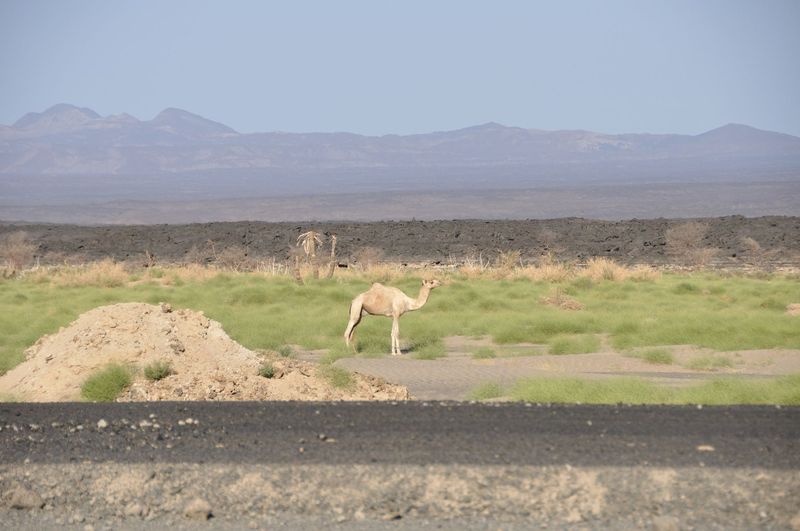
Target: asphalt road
416 433
403 466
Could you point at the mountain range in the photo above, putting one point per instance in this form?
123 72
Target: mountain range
69 154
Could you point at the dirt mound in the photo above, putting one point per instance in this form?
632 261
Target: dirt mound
207 364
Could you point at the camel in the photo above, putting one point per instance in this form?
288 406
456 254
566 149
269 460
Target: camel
388 301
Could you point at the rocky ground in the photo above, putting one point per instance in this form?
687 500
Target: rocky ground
637 240
411 465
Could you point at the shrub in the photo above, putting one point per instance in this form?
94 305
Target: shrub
266 370
684 244
16 252
106 384
158 370
367 257
285 350
508 260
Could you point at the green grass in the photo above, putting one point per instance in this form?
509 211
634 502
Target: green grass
574 344
484 353
265 313
784 390
486 391
157 370
709 362
106 384
659 356
337 376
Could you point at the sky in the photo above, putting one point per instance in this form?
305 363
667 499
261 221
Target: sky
413 66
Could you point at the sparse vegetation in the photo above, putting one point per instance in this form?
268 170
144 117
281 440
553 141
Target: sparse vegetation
658 356
285 351
486 391
267 370
685 244
709 362
484 353
337 376
106 384
158 370
574 344
16 252
263 310
784 390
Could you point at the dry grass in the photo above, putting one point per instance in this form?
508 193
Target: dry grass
103 274
550 270
598 269
559 299
16 252
685 244
546 272
367 257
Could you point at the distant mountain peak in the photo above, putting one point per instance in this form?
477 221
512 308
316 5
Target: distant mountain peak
61 116
180 120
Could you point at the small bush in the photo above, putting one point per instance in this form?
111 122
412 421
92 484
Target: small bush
285 351
508 260
16 252
158 370
266 370
106 384
367 257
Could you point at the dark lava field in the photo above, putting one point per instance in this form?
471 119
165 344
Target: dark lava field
437 242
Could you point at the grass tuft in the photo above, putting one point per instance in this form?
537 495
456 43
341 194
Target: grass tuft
266 370
106 384
337 377
158 370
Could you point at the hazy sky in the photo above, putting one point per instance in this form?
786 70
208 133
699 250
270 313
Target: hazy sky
376 67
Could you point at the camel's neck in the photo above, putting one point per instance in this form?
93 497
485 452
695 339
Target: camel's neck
421 299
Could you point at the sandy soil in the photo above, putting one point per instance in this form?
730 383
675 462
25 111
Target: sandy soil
207 364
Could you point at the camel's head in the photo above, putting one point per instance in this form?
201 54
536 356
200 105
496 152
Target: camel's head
430 284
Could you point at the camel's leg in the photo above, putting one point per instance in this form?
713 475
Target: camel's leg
396 337
355 318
